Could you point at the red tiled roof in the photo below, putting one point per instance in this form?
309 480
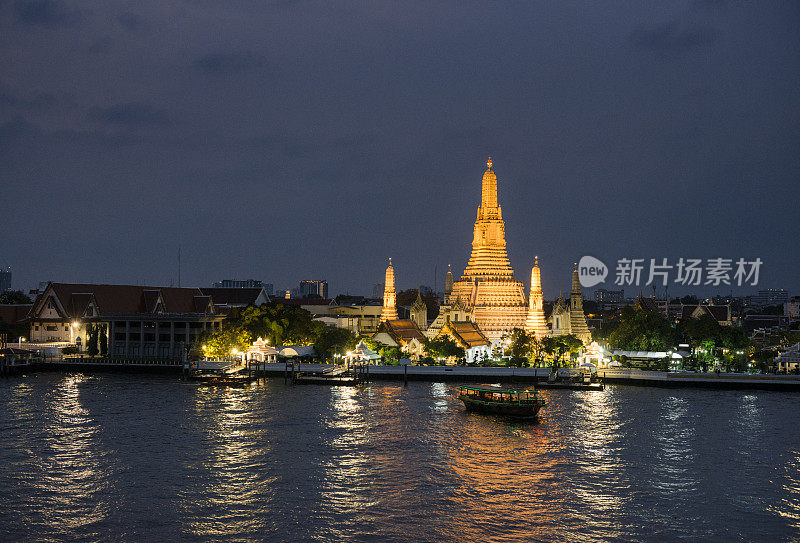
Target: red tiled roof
123 299
14 313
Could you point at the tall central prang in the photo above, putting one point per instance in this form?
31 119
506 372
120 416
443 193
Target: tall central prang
488 289
489 257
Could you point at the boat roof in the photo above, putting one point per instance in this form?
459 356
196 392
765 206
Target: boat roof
496 388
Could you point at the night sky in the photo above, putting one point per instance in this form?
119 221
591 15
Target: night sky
293 140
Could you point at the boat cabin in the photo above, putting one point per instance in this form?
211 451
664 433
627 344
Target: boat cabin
488 393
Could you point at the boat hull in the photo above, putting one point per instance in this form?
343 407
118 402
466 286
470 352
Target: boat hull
523 410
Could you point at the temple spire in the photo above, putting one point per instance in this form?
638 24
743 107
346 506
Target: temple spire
389 311
577 318
535 323
489 190
489 257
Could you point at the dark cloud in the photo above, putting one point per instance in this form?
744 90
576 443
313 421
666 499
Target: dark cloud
708 5
100 45
51 13
670 37
132 22
131 114
12 130
228 63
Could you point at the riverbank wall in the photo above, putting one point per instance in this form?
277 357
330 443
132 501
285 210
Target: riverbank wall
623 376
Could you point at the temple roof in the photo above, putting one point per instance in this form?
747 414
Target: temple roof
466 334
401 330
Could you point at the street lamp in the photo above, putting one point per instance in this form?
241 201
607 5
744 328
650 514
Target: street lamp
19 342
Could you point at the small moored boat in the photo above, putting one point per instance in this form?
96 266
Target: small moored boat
229 381
500 400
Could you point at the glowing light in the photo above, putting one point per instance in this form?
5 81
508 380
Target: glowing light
75 324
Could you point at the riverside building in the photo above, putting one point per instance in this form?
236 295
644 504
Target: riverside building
136 321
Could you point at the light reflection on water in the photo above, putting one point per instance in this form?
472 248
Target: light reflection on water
143 458
227 482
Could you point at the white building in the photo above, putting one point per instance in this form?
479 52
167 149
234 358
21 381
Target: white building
789 360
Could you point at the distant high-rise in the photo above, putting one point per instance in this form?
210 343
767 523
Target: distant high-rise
5 279
771 296
603 296
234 283
306 289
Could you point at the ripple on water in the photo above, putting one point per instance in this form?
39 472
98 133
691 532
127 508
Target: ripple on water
137 457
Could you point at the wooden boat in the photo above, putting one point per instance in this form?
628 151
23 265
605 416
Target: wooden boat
225 380
500 400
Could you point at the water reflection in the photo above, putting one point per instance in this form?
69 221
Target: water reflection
506 480
139 458
227 480
346 466
70 482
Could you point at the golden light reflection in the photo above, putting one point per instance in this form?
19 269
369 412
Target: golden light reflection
485 455
224 491
347 470
72 480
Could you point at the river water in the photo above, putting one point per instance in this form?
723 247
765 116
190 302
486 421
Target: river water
146 458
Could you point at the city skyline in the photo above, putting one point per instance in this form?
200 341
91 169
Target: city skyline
650 132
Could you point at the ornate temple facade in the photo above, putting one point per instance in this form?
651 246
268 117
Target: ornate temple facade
569 318
419 311
577 318
488 290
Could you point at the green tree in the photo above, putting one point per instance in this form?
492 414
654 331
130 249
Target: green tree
223 341
104 342
519 346
642 330
92 348
332 341
281 324
444 347
558 346
16 297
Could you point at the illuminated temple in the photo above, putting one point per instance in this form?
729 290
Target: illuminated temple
488 290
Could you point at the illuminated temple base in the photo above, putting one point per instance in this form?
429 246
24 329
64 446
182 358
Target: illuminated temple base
497 306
